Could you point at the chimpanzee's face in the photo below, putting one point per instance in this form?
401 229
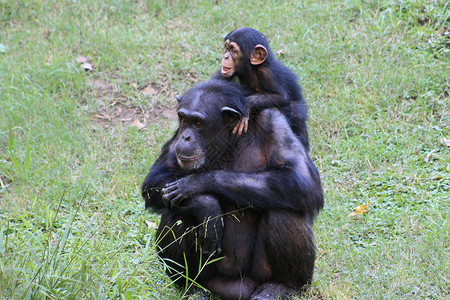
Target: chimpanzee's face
189 147
232 59
243 49
204 125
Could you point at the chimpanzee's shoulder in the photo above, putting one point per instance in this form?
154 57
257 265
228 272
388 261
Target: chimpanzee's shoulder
273 119
278 134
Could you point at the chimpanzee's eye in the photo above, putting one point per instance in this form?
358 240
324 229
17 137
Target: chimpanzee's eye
198 124
183 121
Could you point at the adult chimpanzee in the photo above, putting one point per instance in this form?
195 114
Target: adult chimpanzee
264 183
248 58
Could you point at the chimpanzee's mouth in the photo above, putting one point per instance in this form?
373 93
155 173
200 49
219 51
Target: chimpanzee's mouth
189 159
225 70
192 162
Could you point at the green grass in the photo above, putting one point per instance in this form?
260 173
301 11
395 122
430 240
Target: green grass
376 75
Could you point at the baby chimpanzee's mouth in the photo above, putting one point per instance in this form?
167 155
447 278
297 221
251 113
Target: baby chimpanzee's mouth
225 69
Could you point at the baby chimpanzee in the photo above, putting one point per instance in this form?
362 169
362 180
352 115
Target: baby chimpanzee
269 84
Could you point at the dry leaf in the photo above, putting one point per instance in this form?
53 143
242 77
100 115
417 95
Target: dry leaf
445 142
103 117
138 124
359 210
87 66
427 158
280 52
150 224
82 59
148 90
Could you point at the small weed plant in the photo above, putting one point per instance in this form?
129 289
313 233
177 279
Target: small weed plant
87 99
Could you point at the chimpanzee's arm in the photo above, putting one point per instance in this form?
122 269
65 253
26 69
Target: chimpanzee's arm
290 180
259 102
270 189
273 95
162 172
269 91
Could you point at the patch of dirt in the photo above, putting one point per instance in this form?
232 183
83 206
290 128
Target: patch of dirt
119 113
102 88
168 112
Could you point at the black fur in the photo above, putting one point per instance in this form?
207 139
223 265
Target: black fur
265 81
257 198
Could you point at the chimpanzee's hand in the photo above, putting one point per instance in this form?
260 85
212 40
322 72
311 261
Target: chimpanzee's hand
211 246
210 235
241 126
175 192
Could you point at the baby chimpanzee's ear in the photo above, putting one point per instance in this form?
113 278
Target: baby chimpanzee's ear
258 55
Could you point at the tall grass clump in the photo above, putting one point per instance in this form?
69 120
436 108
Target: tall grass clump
76 140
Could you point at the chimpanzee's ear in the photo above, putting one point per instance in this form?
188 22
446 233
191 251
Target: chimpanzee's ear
179 98
258 55
230 115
